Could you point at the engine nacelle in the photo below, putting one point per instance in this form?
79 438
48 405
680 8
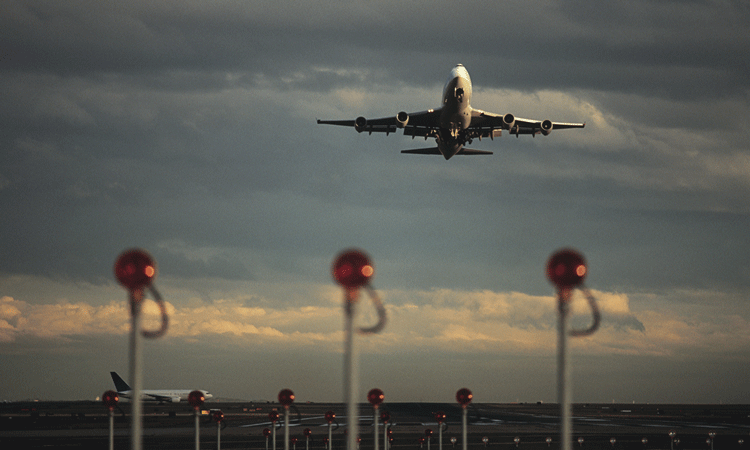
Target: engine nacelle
175 399
546 127
508 121
360 124
402 119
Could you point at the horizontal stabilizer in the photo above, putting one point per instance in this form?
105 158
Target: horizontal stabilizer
468 151
423 151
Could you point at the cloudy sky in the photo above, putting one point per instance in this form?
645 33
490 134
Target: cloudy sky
188 129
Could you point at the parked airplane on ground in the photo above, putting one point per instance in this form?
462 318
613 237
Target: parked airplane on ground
162 395
454 124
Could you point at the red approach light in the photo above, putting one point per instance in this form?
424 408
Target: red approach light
135 269
330 415
267 432
566 269
440 417
110 399
463 397
286 397
375 397
352 269
273 416
294 441
428 433
385 416
218 416
307 432
196 399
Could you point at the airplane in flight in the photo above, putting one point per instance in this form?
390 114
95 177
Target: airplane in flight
455 123
161 395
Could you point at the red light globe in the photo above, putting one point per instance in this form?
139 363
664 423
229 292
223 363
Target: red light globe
375 397
273 416
286 397
352 269
307 432
428 432
330 415
135 269
218 416
294 441
385 416
566 269
110 399
463 397
267 432
196 399
440 417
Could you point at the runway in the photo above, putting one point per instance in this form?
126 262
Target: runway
170 426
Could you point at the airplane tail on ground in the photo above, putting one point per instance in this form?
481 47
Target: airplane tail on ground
120 384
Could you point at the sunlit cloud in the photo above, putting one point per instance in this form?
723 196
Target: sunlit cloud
436 320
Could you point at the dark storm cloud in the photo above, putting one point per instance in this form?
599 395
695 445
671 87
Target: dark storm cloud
148 124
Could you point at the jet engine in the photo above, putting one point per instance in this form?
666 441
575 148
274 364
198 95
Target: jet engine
508 121
175 399
402 119
360 124
546 127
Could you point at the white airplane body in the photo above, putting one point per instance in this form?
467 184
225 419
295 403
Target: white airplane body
161 395
455 123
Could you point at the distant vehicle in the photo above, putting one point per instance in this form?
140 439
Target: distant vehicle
454 124
161 395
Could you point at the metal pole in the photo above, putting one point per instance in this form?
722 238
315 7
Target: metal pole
330 437
376 433
136 437
196 413
273 435
563 371
465 426
111 429
286 428
385 436
350 371
218 435
440 436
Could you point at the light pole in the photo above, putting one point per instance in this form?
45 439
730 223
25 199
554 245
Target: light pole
464 397
307 433
330 416
353 270
218 417
273 416
196 399
440 418
267 434
566 269
286 398
110 399
385 416
375 397
672 434
135 269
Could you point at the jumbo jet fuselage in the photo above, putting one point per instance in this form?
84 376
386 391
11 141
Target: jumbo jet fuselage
455 116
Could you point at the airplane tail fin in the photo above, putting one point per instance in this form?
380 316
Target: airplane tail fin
120 384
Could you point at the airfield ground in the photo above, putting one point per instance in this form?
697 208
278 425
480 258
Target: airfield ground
28 425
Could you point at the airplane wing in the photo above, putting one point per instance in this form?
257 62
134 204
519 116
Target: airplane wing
415 124
485 124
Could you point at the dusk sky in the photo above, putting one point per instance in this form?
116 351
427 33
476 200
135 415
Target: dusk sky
189 129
